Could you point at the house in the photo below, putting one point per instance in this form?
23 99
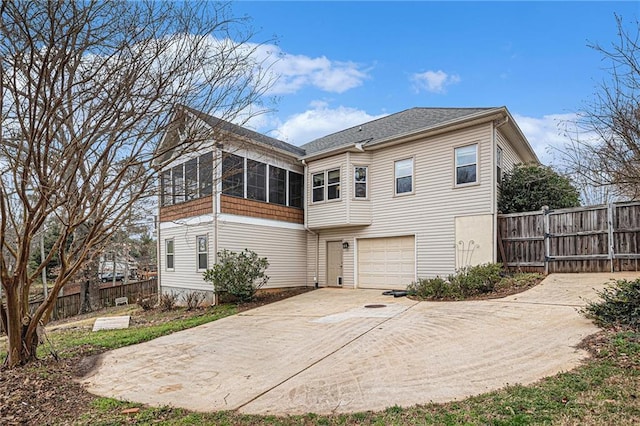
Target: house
378 205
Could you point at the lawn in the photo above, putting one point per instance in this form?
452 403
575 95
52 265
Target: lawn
602 391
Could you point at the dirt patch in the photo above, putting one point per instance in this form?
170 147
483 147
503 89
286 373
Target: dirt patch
45 392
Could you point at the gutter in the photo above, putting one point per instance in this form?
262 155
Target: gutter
306 226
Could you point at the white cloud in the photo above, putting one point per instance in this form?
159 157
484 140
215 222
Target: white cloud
320 121
547 135
294 72
433 81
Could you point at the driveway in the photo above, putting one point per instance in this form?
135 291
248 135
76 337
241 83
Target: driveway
327 352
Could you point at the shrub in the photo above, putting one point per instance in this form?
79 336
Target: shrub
167 301
474 280
193 299
239 274
146 302
432 288
620 305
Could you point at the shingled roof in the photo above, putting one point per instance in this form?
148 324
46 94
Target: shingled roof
243 132
400 123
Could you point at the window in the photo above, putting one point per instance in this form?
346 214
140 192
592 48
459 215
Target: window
318 187
360 182
165 183
277 185
466 162
404 176
206 174
232 175
169 254
333 184
191 179
178 184
256 180
499 164
296 185
203 249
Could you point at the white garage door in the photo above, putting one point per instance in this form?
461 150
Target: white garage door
386 263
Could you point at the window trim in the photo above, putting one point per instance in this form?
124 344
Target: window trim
499 161
356 182
338 184
199 253
395 178
476 164
276 180
300 194
167 254
314 187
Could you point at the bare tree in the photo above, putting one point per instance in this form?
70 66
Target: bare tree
88 89
604 153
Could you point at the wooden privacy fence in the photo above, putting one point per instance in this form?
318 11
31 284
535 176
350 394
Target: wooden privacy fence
68 306
603 238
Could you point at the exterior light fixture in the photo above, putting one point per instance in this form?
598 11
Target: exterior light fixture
345 245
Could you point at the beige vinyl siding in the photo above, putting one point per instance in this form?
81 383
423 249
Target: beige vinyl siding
185 273
348 256
509 157
284 248
429 213
327 213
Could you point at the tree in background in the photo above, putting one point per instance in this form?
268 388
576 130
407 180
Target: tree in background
87 91
605 150
528 187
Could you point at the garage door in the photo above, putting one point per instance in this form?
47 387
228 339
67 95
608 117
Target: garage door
386 263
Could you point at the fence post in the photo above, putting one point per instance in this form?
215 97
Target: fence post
610 244
547 242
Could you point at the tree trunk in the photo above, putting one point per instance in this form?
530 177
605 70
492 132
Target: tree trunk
22 345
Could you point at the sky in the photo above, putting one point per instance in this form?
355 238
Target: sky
345 63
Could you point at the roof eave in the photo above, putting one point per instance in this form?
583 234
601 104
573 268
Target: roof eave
444 127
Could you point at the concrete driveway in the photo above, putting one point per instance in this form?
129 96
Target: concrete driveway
327 352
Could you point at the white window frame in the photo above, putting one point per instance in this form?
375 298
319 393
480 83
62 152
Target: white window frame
172 254
356 182
199 252
499 160
475 163
396 177
334 184
314 187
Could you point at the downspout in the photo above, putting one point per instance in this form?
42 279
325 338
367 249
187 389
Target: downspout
306 226
494 186
217 189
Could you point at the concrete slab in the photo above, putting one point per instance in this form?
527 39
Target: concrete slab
324 352
111 323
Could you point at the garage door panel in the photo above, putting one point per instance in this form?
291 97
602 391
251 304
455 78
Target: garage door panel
386 263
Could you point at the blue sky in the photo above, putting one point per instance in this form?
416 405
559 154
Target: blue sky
345 63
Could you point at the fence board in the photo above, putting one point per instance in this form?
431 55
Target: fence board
599 238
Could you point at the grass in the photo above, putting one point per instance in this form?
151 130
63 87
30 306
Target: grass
603 391
66 343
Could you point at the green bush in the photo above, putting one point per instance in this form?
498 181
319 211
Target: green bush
239 274
474 280
467 282
620 305
432 288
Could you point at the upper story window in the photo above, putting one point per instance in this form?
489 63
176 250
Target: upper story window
498 164
360 176
277 185
296 184
191 179
177 174
404 176
232 175
205 172
169 254
333 184
256 180
318 187
166 188
466 164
